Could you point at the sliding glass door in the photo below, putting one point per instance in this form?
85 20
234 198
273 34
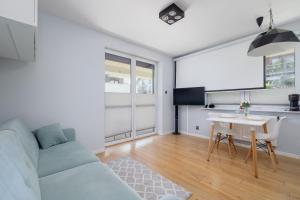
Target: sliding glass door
129 98
145 98
118 100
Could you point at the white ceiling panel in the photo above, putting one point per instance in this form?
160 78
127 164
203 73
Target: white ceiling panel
206 22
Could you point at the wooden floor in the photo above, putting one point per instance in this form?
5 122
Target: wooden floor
182 159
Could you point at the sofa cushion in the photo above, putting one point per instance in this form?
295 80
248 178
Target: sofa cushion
5 194
92 181
64 156
70 134
18 175
50 135
25 136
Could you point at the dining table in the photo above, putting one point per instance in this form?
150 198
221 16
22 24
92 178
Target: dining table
251 121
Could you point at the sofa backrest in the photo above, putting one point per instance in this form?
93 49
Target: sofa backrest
18 175
25 136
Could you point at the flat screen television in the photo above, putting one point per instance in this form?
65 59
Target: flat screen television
189 96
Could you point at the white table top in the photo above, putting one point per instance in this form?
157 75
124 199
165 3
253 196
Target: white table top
252 120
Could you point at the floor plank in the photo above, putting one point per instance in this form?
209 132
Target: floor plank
182 159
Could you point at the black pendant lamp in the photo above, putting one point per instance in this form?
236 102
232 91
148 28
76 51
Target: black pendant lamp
272 41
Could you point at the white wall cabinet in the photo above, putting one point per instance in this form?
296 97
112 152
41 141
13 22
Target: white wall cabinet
18 27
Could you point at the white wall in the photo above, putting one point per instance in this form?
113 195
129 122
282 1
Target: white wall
66 82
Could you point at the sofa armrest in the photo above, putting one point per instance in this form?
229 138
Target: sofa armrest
70 134
169 197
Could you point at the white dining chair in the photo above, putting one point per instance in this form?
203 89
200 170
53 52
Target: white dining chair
223 132
265 140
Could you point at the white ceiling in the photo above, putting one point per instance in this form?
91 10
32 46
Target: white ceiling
206 22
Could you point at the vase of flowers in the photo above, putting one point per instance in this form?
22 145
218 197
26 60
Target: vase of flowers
245 107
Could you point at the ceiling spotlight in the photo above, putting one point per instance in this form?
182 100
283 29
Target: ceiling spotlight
165 18
178 17
171 21
171 14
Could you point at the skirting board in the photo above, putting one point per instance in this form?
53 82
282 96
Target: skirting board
97 151
290 155
166 133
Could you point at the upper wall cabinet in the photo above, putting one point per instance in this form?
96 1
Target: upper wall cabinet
18 27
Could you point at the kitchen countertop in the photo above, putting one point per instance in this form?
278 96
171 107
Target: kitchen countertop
256 108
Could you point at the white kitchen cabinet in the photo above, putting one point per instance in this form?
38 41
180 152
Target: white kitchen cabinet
18 29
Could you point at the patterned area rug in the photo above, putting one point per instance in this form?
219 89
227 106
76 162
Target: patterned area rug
147 183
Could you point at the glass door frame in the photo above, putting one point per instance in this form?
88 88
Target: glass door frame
134 94
155 88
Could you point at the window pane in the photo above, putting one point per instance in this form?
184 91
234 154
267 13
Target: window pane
144 78
117 74
280 70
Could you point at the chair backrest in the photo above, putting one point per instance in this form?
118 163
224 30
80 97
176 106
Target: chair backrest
275 127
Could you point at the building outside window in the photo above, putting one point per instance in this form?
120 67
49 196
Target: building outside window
280 70
144 78
117 74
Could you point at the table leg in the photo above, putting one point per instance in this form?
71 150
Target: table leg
254 153
210 142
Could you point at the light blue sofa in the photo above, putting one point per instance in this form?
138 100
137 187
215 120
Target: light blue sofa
63 172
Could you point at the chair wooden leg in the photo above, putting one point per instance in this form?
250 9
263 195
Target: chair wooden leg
249 154
271 155
228 145
275 156
232 143
219 140
213 147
